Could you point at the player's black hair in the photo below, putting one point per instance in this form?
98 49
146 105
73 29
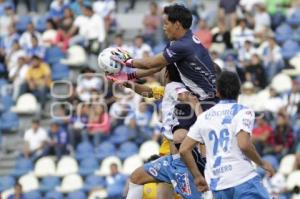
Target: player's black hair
179 13
153 157
228 85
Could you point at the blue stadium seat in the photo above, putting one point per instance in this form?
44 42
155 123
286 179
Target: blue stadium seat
294 19
93 182
296 36
49 183
88 166
127 149
76 195
85 150
289 49
9 121
277 19
6 102
7 182
104 150
22 23
283 33
60 71
23 166
54 195
41 23
122 134
3 82
33 195
53 55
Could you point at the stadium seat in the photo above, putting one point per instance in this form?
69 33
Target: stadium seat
70 183
98 194
41 23
49 37
88 166
104 150
9 121
272 160
49 183
54 195
84 150
53 55
93 182
5 194
6 182
105 165
294 19
283 33
277 19
122 134
44 167
6 102
293 180
29 182
145 153
132 163
59 71
76 195
127 149
76 57
33 195
296 35
282 83
22 23
23 166
289 49
26 104
66 166
287 164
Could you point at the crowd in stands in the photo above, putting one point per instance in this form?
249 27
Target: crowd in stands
94 118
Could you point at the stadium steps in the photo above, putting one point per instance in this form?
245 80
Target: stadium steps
7 162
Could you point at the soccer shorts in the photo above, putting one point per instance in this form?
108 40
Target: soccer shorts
171 169
250 189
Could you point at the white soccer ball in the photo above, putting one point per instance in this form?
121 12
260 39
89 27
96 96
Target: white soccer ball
106 64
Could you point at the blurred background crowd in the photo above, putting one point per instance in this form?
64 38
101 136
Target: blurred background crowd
65 131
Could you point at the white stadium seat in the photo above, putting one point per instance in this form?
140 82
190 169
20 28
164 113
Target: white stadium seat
66 166
293 180
29 182
287 164
44 167
105 165
76 56
5 194
98 194
132 163
148 149
26 104
70 183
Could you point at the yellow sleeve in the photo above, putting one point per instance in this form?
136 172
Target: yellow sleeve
158 91
164 147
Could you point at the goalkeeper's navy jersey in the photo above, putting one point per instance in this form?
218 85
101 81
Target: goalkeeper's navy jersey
194 65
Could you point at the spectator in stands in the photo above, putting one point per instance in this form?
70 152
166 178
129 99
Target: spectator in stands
261 18
274 103
8 18
36 49
118 112
38 80
58 140
227 11
241 33
78 123
87 83
106 10
292 100
119 42
15 53
204 34
99 123
26 38
152 23
77 6
115 183
217 59
272 58
17 75
260 133
32 6
57 9
3 5
18 194
245 53
255 72
140 119
222 37
248 95
281 140
7 41
232 65
49 35
140 47
36 141
91 31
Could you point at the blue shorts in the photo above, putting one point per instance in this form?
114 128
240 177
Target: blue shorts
173 170
251 189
